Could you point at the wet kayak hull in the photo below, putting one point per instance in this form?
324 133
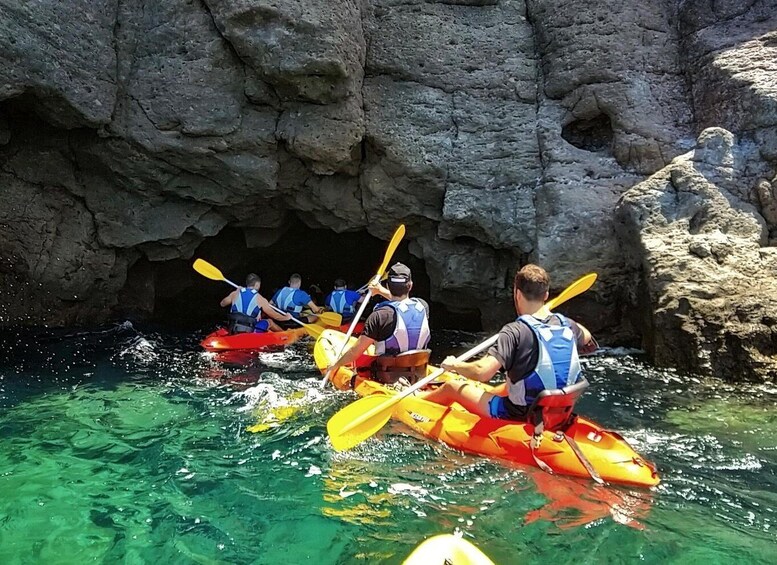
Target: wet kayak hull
447 549
221 340
611 456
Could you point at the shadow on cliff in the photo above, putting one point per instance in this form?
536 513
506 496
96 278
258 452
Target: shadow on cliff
172 294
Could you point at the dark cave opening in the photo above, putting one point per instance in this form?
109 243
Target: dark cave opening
183 299
594 134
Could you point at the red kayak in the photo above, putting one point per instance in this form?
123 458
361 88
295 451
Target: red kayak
356 331
222 340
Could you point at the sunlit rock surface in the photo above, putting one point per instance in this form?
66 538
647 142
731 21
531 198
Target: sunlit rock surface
499 131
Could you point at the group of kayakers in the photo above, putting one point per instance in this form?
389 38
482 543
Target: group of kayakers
249 311
536 352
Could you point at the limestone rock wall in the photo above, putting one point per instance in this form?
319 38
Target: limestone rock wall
499 131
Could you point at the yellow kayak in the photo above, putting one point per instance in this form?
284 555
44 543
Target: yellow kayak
447 549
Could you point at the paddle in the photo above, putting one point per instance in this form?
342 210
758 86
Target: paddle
209 271
328 318
392 247
362 419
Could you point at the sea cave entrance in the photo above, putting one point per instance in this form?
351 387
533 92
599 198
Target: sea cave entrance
184 299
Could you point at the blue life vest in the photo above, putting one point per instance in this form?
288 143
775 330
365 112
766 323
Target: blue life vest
288 301
342 301
247 303
411 331
558 364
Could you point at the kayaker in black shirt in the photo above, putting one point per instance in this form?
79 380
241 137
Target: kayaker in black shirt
398 325
536 354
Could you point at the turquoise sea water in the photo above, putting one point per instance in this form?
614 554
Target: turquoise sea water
131 447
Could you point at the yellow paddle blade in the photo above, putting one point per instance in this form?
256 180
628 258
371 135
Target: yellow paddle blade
392 247
207 270
343 438
578 287
330 319
313 329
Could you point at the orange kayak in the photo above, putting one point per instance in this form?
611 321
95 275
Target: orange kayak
609 454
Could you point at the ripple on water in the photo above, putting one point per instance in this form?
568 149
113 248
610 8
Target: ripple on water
135 447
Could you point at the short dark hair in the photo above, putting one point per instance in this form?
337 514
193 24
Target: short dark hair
532 281
398 289
295 277
252 279
340 283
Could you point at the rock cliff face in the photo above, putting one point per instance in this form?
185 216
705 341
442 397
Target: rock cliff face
707 294
499 131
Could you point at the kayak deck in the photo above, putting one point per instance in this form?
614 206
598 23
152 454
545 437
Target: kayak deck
222 340
610 455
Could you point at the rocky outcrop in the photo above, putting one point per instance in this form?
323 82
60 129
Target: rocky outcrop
498 131
707 299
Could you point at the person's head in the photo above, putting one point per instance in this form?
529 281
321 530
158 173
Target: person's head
295 280
340 284
253 281
400 280
530 288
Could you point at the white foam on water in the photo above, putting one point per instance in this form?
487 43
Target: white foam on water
313 471
140 350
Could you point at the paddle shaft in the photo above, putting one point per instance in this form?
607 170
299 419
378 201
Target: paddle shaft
392 246
420 384
348 335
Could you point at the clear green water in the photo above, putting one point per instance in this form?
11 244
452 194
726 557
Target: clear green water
130 448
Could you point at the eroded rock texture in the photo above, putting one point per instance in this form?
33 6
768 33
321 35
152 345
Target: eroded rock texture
707 294
499 131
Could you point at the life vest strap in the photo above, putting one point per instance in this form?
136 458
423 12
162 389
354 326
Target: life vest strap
239 323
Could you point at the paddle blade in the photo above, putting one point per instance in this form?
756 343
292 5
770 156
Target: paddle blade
314 329
392 247
578 287
330 319
343 438
207 270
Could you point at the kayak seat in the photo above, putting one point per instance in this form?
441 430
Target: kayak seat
551 411
240 323
411 365
553 408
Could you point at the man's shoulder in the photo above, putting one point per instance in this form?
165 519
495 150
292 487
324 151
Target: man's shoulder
516 326
382 311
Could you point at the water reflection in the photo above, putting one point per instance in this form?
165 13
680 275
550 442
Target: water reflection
139 442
